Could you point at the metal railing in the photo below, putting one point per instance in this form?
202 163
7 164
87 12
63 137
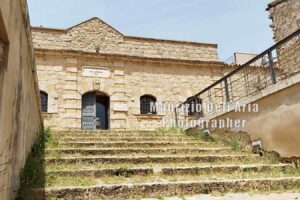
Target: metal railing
275 64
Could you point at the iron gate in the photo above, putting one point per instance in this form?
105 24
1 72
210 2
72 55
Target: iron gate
88 119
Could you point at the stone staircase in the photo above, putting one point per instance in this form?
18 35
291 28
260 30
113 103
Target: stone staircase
107 165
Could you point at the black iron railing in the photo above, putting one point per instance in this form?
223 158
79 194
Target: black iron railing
275 64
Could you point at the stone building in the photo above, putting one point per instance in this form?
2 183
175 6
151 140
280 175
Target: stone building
91 76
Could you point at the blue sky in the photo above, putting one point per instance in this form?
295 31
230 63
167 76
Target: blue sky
235 25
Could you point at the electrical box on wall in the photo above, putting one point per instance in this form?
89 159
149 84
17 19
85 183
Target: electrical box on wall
16 183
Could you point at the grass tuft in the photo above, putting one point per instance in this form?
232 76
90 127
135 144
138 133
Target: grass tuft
235 145
201 135
33 173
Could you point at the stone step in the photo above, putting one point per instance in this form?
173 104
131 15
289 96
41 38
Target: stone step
147 159
155 189
110 134
154 165
127 139
224 169
133 144
98 173
120 151
157 176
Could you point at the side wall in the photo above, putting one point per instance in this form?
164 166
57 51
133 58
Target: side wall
20 117
277 122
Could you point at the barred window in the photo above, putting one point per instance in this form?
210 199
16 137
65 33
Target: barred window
44 101
146 102
1 52
4 45
195 107
4 50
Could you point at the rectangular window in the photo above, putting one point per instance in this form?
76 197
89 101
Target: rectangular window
3 43
44 101
3 54
195 108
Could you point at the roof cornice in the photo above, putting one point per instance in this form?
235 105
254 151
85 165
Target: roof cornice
47 29
63 52
275 3
170 41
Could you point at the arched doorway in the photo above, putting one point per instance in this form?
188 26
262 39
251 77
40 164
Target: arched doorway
95 111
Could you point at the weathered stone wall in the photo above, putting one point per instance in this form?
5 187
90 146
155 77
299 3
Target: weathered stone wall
277 122
60 75
96 33
20 116
285 15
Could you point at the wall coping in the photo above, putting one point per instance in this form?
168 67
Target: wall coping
158 40
124 57
275 3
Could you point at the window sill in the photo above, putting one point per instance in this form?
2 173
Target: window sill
47 114
192 116
148 117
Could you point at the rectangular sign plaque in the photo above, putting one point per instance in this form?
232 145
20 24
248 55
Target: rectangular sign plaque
102 72
120 107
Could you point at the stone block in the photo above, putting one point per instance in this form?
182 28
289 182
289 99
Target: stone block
119 73
70 87
71 78
71 69
71 96
56 68
121 107
71 60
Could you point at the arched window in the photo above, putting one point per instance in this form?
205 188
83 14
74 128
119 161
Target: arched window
148 104
44 101
195 107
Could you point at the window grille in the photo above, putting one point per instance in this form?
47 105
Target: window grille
146 102
44 101
195 107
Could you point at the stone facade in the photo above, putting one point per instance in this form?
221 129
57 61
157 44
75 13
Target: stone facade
89 35
20 115
171 71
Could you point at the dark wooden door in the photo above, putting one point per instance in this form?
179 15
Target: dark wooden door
102 112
